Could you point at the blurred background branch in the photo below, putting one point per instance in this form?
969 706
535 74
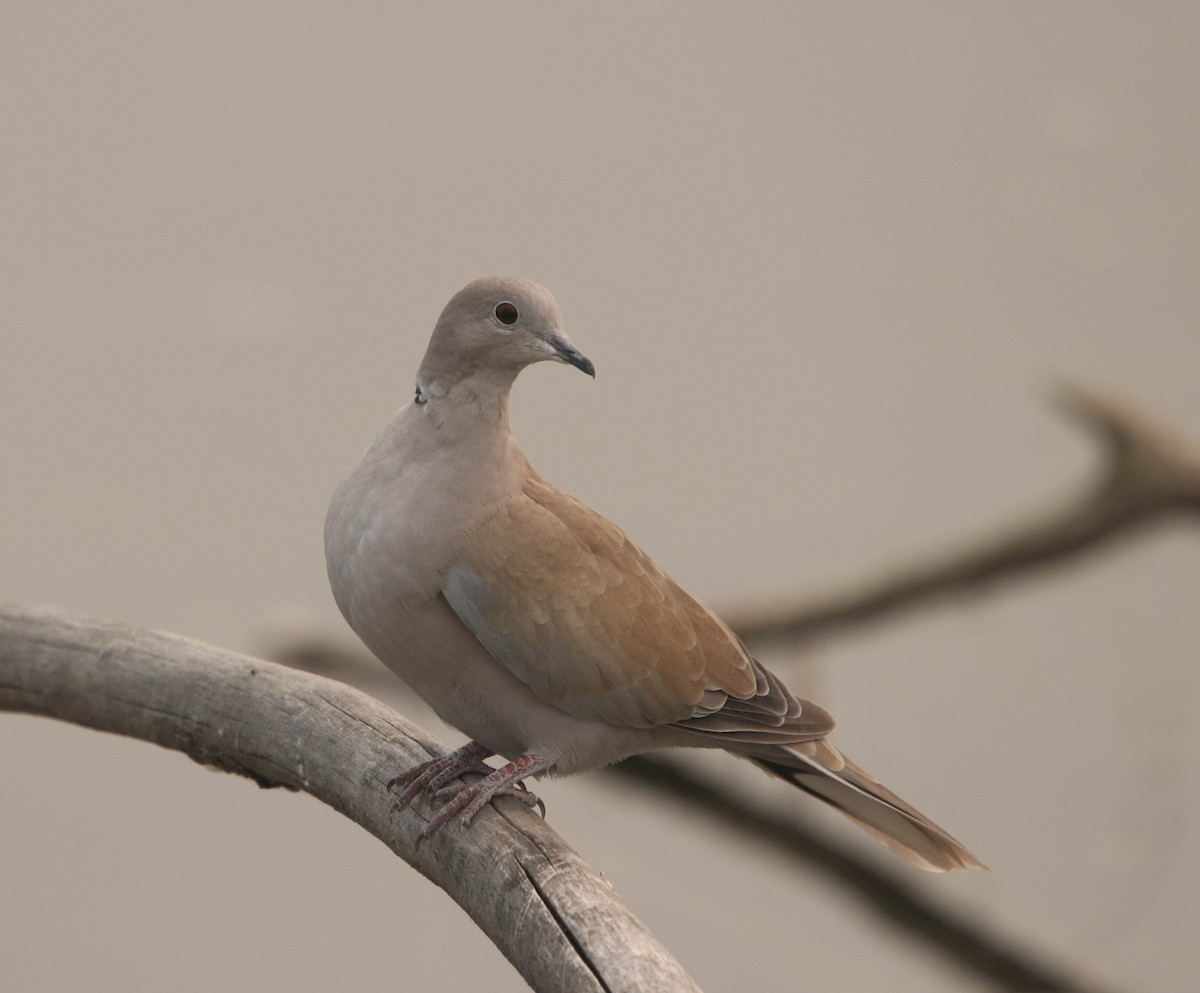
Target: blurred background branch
978 948
1146 474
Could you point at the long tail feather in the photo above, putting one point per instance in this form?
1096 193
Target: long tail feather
821 770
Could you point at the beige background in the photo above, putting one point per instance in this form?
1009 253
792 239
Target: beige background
828 260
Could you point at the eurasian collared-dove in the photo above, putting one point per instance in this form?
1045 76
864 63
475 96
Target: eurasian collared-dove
534 625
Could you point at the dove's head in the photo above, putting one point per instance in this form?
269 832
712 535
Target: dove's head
493 328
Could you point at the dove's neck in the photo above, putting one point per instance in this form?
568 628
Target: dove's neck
455 396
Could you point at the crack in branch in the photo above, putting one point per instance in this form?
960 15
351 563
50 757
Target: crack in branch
566 928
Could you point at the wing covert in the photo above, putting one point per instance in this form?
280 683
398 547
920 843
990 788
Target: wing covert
564 600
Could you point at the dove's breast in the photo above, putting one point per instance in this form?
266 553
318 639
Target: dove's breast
398 522
395 527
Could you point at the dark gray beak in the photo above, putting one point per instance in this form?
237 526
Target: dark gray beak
571 355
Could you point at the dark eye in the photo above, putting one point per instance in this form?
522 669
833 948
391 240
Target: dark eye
506 313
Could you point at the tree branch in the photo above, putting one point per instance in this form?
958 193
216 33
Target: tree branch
1148 475
556 920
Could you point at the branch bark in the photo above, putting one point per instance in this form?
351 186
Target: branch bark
1147 475
557 921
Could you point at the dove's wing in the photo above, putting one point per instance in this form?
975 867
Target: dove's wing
567 603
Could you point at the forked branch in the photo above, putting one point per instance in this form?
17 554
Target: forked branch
1147 475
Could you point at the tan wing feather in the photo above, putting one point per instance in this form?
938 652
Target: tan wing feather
565 601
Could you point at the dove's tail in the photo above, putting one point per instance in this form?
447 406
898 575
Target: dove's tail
820 769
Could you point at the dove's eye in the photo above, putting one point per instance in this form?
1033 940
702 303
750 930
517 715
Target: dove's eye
506 313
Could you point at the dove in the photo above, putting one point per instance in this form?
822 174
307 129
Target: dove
534 625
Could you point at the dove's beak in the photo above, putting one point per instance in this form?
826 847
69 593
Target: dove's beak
564 351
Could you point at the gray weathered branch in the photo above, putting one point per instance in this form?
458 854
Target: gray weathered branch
556 920
1147 475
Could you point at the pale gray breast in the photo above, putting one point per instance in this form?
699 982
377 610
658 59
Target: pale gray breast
384 545
399 521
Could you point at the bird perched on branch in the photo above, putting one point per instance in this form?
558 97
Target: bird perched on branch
532 623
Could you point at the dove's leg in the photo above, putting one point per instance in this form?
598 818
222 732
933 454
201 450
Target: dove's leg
436 773
470 798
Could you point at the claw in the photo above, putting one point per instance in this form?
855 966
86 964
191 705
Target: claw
439 770
467 799
519 791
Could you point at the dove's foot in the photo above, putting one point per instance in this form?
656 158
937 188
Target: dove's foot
436 773
467 799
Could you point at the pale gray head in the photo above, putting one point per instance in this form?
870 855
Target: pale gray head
493 328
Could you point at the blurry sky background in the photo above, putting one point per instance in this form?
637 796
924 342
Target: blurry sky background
830 262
